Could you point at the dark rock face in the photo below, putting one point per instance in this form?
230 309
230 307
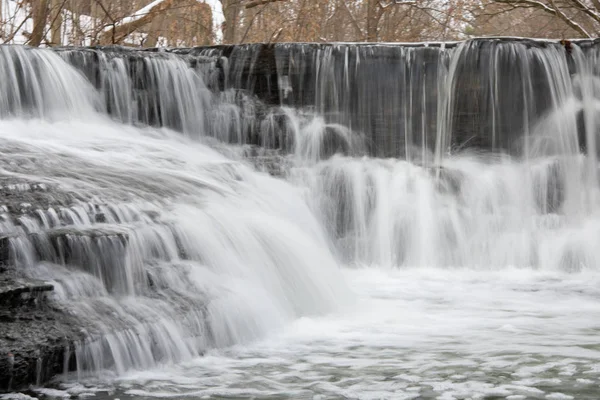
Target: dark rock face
16 292
483 93
270 162
36 338
85 249
37 335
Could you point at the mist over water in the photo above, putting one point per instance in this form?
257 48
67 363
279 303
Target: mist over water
465 266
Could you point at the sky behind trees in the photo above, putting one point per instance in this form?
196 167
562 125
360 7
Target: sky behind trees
151 23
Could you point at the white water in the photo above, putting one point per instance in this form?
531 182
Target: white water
415 333
244 237
354 278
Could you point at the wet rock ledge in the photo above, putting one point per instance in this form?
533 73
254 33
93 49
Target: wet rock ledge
46 228
36 336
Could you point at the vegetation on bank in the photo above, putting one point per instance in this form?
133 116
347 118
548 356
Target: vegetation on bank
174 23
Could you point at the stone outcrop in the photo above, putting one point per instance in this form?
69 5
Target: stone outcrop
36 337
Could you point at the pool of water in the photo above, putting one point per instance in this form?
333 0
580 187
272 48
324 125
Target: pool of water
412 334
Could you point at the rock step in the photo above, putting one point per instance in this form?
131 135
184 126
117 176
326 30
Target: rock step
35 337
16 291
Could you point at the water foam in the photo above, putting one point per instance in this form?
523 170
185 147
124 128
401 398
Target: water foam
164 248
193 250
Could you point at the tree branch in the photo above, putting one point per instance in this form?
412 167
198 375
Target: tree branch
256 3
16 30
118 33
550 10
355 24
582 7
251 23
383 6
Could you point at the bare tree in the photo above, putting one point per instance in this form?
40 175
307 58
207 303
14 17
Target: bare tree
154 31
40 14
256 3
349 20
582 16
490 18
190 23
375 11
93 22
56 21
118 32
231 12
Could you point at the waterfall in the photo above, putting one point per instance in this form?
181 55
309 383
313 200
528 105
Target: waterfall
411 102
159 246
130 181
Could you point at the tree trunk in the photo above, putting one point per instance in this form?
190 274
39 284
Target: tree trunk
40 14
373 17
154 31
117 34
231 11
358 33
56 21
100 20
2 19
300 23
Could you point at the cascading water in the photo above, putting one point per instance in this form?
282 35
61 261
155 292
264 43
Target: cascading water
167 248
464 267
